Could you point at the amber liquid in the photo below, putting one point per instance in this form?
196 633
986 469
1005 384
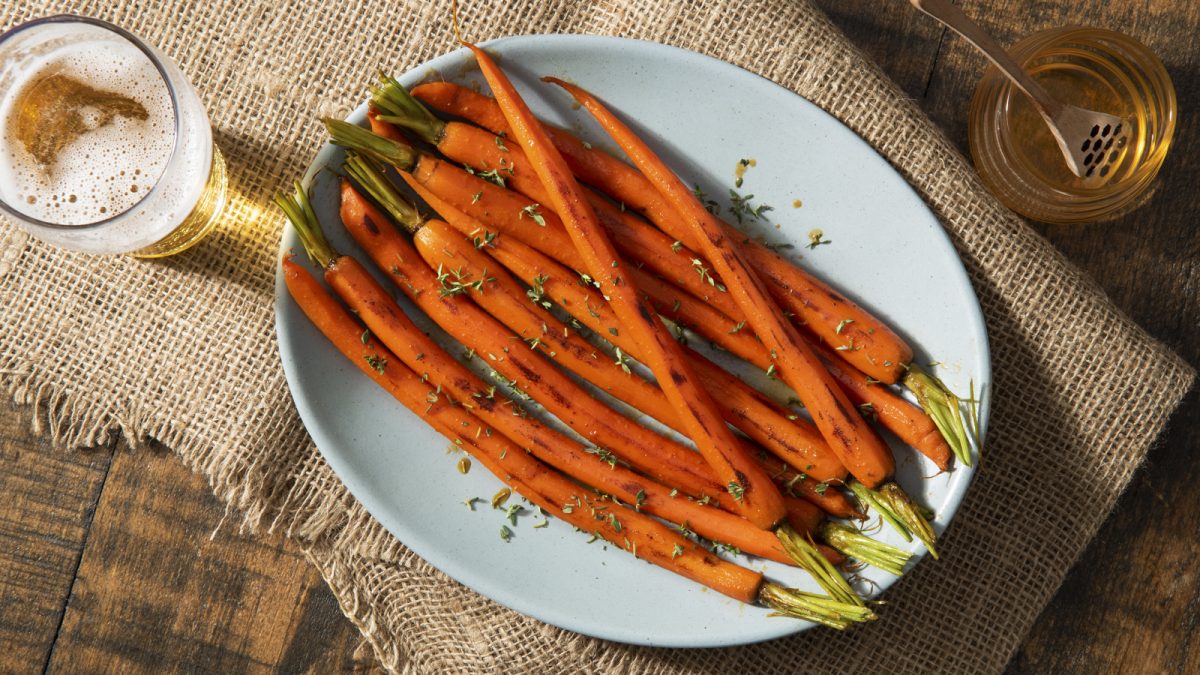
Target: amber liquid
200 221
1036 148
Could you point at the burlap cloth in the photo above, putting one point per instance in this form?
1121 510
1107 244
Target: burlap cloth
183 351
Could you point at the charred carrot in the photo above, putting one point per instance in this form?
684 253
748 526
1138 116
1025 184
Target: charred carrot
877 350
860 339
741 406
473 145
758 499
625 528
437 295
450 379
862 451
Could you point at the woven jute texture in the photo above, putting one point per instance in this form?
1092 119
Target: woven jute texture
183 351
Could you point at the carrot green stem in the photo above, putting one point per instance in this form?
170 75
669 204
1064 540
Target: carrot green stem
853 543
396 106
364 142
911 514
874 500
813 607
300 212
370 177
944 407
805 554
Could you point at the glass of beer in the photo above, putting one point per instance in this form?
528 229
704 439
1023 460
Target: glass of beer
106 147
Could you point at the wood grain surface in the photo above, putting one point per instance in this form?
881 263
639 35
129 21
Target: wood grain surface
114 559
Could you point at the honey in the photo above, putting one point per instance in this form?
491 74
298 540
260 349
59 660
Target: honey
1091 68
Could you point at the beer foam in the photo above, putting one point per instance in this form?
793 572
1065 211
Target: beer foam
108 169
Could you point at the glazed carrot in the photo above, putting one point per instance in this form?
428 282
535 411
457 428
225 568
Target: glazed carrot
859 448
877 350
484 152
911 424
470 144
902 418
741 405
799 484
666 460
387 323
623 527
758 499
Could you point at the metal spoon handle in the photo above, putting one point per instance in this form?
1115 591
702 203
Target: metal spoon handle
946 12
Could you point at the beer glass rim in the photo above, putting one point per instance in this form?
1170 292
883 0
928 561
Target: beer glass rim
162 71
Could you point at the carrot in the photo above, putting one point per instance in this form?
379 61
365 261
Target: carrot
902 418
637 534
758 499
862 451
371 302
877 350
476 148
669 462
472 145
742 406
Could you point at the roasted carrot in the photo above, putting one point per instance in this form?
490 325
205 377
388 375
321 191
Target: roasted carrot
381 315
757 497
902 418
876 349
623 527
473 145
863 453
861 450
660 457
741 405
484 152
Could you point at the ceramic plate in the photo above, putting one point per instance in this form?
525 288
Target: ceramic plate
886 251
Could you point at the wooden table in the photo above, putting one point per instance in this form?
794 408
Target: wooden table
115 558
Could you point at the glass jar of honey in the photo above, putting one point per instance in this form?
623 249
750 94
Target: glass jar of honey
1092 68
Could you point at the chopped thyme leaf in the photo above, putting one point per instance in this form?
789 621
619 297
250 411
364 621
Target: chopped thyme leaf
377 362
604 455
677 246
820 488
366 336
736 490
505 534
737 327
500 141
613 330
640 498
677 552
532 212
470 502
476 197
485 240
512 511
586 145
674 492
842 324
545 523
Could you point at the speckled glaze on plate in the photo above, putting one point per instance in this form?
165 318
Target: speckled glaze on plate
887 251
